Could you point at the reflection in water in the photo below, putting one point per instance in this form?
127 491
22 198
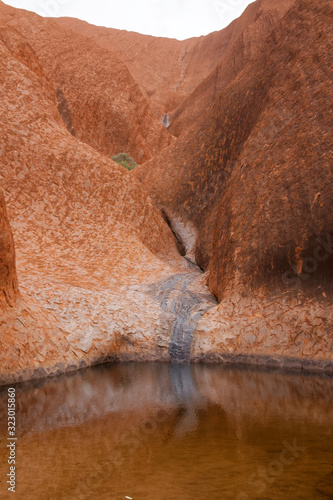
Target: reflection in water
186 396
173 431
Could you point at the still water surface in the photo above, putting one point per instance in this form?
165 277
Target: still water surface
172 431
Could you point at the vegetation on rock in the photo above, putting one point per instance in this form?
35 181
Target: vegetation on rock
125 160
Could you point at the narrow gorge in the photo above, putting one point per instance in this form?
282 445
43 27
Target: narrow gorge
218 246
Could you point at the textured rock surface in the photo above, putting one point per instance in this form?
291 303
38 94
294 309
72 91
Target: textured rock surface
8 278
279 95
100 101
179 66
187 74
247 190
243 41
157 64
86 235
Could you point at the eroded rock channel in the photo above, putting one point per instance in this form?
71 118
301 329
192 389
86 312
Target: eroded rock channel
183 306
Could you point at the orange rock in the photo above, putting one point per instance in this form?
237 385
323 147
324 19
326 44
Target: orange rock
86 233
158 65
245 190
274 230
248 134
239 43
100 101
8 278
187 74
240 190
179 66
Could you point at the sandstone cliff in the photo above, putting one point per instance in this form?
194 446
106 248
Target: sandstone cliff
246 190
8 278
100 102
245 39
86 234
181 78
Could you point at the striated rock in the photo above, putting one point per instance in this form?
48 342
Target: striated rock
179 66
284 217
86 233
187 74
188 180
158 65
247 191
98 98
8 278
244 40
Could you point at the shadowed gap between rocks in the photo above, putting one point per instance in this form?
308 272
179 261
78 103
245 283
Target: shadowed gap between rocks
65 112
179 241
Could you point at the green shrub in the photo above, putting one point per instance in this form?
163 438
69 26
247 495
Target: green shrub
125 160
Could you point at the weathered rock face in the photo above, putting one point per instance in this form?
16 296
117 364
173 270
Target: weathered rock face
244 38
188 74
284 217
86 234
188 180
99 100
179 66
157 64
8 278
247 191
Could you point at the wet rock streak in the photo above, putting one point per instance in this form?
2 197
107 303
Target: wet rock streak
186 306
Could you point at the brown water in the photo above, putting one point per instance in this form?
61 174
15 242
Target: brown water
161 431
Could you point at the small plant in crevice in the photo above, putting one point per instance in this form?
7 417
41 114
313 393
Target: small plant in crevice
125 160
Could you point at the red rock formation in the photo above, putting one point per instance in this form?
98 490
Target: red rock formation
157 64
100 102
86 235
168 70
31 342
284 168
187 75
245 39
8 278
247 190
188 180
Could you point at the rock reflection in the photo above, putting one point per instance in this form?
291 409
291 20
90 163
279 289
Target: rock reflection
142 389
168 431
